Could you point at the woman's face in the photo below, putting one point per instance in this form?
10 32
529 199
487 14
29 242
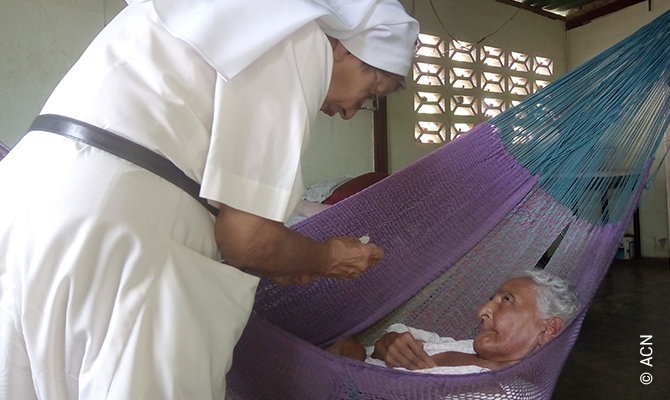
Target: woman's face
353 83
510 325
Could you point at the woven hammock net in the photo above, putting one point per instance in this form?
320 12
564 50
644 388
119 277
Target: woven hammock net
564 170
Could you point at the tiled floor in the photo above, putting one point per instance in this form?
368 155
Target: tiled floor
633 300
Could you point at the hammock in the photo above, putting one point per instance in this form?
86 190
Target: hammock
4 150
564 169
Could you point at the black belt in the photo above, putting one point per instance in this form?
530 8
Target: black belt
122 148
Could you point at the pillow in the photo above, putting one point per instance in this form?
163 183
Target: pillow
353 186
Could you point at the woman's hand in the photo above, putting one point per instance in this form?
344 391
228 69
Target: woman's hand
349 258
402 350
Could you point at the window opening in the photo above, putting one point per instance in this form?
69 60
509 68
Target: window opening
429 103
462 78
544 66
429 132
492 82
430 46
458 84
428 74
519 61
462 51
492 56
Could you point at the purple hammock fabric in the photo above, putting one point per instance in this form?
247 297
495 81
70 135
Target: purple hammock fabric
454 226
4 150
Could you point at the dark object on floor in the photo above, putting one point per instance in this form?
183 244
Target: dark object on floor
606 362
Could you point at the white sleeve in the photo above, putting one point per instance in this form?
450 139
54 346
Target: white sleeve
261 126
420 334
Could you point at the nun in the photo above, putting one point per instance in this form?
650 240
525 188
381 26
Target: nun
149 195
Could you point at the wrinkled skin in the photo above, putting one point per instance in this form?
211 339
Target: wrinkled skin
510 326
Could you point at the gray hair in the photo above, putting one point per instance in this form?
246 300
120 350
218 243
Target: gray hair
556 296
402 85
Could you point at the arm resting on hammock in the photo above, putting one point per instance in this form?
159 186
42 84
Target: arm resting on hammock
458 359
271 249
402 350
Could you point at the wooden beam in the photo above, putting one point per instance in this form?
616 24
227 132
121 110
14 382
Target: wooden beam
579 19
536 10
380 138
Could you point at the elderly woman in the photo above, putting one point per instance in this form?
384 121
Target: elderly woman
523 314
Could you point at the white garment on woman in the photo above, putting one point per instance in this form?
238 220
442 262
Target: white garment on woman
432 344
110 285
231 34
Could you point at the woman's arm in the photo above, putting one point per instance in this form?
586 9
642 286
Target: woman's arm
458 359
273 250
402 350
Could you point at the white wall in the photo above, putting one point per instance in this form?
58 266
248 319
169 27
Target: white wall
339 148
39 42
471 21
41 39
586 42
